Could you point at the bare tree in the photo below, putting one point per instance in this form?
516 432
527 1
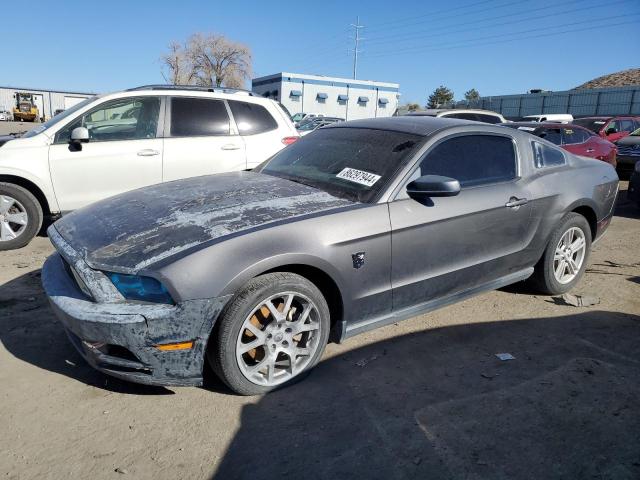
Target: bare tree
207 60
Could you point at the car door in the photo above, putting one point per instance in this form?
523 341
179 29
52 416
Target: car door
258 129
449 244
122 153
200 139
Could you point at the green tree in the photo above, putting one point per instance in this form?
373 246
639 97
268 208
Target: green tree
440 96
471 95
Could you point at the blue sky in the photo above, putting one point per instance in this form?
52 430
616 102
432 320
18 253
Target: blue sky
495 46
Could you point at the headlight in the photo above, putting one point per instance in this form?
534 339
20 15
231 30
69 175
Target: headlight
146 289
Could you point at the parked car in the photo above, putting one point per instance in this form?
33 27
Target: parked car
633 193
310 126
629 151
113 143
486 116
572 138
5 116
549 117
360 225
300 117
611 128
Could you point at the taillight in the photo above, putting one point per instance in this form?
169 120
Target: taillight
289 140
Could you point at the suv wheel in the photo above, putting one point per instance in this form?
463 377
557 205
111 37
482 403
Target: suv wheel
20 216
565 258
272 334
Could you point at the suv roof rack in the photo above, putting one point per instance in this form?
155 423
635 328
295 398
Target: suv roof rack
192 88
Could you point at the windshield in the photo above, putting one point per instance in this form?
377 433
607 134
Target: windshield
61 116
635 133
595 125
353 163
308 125
297 117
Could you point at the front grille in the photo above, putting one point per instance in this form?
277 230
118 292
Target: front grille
629 150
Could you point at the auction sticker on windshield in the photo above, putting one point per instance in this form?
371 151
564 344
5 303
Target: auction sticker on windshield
358 176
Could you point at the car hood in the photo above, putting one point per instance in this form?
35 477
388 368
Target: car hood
134 230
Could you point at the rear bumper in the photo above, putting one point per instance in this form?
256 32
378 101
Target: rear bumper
120 338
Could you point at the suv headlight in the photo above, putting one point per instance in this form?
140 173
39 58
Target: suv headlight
145 289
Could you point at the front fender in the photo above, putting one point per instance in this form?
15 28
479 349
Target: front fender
44 185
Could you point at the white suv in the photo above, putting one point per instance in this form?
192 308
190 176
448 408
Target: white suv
117 142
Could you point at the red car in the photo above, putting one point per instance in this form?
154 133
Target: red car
609 128
572 138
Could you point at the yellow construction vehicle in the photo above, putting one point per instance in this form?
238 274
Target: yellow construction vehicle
25 109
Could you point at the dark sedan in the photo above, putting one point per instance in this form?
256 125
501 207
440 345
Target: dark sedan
359 225
628 151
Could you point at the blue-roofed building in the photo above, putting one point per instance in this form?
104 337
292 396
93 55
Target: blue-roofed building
330 96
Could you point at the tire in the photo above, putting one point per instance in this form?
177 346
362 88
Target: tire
255 371
23 203
545 277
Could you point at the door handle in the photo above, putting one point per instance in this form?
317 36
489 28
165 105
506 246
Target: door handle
590 150
148 152
515 202
230 146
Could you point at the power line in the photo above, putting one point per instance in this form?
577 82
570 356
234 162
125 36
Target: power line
446 46
404 36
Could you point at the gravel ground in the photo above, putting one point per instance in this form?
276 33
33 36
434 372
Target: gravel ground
426 398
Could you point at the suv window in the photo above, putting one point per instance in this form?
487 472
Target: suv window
612 127
483 117
546 156
197 117
123 119
462 116
553 135
472 159
251 118
573 135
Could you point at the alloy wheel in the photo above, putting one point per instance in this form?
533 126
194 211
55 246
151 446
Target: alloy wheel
569 255
278 339
13 218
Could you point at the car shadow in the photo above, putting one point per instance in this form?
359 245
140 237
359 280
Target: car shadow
439 404
30 332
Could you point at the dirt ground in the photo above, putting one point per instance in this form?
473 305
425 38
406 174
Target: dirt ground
426 398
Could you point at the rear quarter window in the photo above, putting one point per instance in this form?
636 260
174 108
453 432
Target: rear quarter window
546 156
252 118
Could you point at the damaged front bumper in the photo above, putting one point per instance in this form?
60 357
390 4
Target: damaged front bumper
121 338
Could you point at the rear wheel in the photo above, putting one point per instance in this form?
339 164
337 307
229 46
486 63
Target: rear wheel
272 334
20 216
565 258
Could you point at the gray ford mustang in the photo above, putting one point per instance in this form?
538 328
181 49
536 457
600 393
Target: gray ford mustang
357 225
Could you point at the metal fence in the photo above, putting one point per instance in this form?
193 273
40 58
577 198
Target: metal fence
580 103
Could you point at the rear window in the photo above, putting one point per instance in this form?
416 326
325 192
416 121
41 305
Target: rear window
251 118
196 117
546 156
591 124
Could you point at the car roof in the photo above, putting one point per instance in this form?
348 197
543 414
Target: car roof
436 111
417 125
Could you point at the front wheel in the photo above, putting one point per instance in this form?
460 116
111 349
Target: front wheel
565 258
20 216
273 332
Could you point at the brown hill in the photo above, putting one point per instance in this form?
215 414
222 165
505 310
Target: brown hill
618 79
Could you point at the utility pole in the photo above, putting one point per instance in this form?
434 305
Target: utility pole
357 39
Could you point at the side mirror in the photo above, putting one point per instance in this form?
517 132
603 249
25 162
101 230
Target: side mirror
433 186
79 135
610 130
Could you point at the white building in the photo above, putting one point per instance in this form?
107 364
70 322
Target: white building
330 96
47 101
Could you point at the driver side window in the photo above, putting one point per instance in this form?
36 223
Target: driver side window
472 159
124 119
